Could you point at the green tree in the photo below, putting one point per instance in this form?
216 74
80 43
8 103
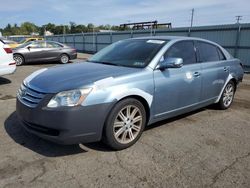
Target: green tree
27 28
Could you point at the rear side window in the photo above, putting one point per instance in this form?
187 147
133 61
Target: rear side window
221 55
207 52
53 45
184 50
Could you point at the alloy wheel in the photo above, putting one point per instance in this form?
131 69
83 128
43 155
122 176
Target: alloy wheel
18 60
64 59
228 95
127 124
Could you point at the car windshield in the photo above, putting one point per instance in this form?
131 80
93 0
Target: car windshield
130 53
22 41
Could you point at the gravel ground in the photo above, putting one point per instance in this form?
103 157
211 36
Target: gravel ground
205 148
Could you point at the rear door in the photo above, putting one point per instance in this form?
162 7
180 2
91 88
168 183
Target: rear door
215 70
178 88
53 50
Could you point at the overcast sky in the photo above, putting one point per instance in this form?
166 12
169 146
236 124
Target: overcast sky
115 12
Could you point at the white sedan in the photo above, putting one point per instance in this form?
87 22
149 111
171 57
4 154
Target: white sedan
7 63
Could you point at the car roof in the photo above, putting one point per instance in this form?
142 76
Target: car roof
173 38
41 41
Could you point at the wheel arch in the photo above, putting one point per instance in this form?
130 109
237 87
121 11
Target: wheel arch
64 53
143 101
137 97
230 78
20 55
235 83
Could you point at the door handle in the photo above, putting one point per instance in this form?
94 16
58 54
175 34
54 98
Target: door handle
225 69
197 74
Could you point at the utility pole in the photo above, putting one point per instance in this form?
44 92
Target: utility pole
191 23
192 18
236 48
93 35
64 34
238 18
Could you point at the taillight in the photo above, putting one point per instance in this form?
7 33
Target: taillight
14 63
8 50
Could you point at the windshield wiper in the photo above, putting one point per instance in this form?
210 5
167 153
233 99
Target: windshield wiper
103 62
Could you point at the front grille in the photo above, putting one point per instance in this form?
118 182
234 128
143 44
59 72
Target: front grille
29 96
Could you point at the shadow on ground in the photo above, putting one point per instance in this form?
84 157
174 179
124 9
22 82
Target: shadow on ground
36 144
50 149
41 63
4 81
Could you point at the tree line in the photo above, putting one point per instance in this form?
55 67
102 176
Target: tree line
28 28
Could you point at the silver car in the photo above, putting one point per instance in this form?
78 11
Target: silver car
37 51
126 86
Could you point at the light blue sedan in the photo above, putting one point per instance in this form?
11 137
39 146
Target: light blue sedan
126 86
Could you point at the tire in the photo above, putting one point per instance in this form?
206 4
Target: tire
227 96
18 59
125 133
64 59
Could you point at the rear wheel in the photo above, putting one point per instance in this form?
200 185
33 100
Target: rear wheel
227 96
18 59
125 124
64 58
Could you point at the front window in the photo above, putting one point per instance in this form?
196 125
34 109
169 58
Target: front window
24 45
130 53
184 50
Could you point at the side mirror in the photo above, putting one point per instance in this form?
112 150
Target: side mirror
171 62
28 47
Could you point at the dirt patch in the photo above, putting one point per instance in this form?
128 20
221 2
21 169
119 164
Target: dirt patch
242 103
7 97
211 142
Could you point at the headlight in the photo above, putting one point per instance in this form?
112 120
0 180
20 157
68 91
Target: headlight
69 98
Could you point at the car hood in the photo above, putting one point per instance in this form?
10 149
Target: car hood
73 76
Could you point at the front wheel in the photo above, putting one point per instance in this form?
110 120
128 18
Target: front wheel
125 124
64 58
227 96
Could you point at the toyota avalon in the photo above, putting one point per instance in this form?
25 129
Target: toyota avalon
125 87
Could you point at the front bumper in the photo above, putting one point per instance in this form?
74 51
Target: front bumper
67 125
8 69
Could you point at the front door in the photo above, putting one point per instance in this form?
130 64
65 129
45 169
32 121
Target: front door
34 52
177 89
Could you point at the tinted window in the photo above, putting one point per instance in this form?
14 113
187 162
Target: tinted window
184 50
207 52
53 45
37 45
132 53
